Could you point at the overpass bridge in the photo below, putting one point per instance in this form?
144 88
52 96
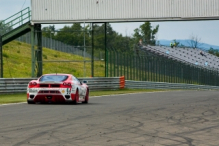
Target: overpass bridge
96 11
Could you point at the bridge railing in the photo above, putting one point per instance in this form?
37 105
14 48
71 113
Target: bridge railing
15 21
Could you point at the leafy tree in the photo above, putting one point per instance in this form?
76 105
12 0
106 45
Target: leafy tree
72 35
114 40
213 51
48 31
147 33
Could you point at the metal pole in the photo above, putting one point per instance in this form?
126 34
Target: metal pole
32 51
1 58
105 41
39 50
84 52
92 52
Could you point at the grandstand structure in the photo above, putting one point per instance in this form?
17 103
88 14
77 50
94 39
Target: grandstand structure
187 55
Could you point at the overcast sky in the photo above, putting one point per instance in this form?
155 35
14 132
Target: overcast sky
208 31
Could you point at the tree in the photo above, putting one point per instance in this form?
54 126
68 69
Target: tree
48 31
147 33
213 52
72 35
194 42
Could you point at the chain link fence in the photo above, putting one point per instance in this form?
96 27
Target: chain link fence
57 45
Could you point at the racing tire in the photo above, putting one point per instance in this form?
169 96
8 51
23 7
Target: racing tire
76 98
86 97
30 102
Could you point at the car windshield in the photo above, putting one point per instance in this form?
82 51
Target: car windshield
56 78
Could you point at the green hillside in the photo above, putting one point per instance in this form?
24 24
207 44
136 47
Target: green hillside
17 62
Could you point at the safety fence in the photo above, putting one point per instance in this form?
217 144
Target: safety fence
58 45
142 65
19 85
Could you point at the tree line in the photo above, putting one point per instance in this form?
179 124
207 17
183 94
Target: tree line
76 34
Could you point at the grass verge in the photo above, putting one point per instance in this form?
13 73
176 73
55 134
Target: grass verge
21 97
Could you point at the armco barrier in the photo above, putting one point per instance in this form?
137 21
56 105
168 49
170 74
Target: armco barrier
122 82
163 85
19 85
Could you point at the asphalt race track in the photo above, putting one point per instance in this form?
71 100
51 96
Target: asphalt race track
177 118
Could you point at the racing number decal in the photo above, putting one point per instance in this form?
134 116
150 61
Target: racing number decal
68 90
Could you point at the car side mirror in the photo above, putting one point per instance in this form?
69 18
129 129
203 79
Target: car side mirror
85 82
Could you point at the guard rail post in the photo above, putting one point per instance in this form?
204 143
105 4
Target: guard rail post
1 58
122 82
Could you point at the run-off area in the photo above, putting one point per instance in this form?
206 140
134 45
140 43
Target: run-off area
149 119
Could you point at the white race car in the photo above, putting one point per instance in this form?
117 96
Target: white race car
50 88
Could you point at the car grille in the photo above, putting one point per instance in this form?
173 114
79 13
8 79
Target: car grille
49 85
49 91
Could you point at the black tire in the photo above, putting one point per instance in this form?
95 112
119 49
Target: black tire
30 102
77 96
86 97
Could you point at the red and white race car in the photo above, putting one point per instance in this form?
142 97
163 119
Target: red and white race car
57 88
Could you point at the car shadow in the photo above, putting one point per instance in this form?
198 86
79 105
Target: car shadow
66 104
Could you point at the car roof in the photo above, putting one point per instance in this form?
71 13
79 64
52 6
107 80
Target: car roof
58 74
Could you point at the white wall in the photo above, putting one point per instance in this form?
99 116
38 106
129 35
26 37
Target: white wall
62 11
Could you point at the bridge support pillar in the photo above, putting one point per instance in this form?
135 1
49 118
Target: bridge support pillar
39 50
36 52
1 58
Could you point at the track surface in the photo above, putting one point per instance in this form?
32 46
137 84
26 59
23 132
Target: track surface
184 118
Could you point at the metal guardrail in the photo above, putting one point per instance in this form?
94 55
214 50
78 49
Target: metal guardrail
163 85
19 85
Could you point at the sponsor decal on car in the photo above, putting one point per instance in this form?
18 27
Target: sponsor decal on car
63 91
68 91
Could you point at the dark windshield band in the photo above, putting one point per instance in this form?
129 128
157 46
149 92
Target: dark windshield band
56 78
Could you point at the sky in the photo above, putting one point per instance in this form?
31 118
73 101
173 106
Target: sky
207 31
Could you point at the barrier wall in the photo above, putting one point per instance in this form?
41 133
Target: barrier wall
19 85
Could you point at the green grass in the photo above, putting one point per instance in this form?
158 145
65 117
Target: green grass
13 98
21 97
17 62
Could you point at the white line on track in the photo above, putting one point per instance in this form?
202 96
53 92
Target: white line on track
91 97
